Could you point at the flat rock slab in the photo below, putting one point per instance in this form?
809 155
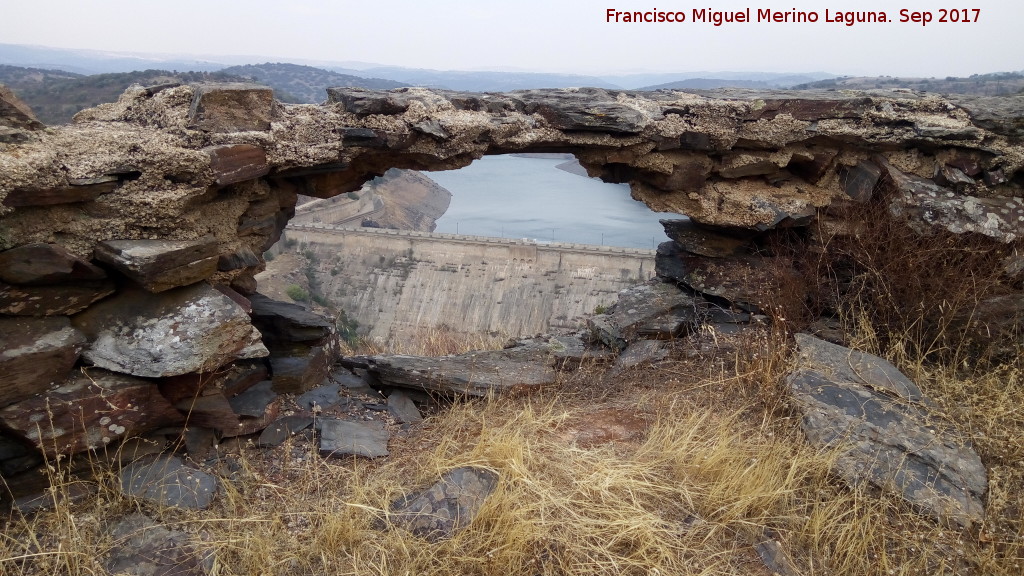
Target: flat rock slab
286 322
446 507
254 401
39 263
165 480
323 396
89 410
403 409
278 431
35 353
56 300
642 351
192 329
885 431
647 311
704 241
233 163
522 367
142 547
159 265
346 437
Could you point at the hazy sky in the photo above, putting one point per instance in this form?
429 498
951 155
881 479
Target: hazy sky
537 35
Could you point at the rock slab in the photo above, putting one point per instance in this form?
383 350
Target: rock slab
165 480
448 506
142 547
346 437
35 353
886 431
192 329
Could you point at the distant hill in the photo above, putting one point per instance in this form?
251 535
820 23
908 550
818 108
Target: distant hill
55 96
482 81
997 84
653 81
304 84
708 84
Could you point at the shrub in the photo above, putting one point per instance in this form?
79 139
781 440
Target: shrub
297 293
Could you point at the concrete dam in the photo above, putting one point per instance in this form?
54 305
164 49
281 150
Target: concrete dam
393 281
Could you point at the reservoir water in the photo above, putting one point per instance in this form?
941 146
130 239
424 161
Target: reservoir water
521 197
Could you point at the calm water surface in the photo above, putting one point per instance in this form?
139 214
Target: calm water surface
516 197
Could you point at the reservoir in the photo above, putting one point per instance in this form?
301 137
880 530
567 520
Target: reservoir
521 197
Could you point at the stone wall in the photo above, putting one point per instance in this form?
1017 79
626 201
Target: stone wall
129 240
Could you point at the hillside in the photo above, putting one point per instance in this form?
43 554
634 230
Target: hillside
997 84
55 96
304 84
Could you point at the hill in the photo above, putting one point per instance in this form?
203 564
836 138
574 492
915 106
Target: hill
304 84
484 81
996 84
55 96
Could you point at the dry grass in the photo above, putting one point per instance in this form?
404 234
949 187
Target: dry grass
677 469
436 341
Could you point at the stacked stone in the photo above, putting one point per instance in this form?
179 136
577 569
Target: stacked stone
145 328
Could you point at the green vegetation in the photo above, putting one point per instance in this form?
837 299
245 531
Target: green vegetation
303 84
55 96
297 293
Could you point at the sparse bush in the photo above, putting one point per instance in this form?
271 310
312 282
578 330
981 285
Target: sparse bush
297 293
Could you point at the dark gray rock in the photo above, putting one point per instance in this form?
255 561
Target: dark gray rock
573 351
166 481
244 257
521 367
748 281
159 265
585 109
345 437
143 547
300 370
277 432
191 329
704 241
254 401
641 352
448 506
885 431
859 182
647 311
403 409
286 322
323 396
34 354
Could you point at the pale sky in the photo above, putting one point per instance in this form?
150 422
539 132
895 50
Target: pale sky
535 35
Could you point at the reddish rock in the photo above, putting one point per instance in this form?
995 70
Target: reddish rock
84 192
231 108
159 265
37 264
89 410
34 354
57 300
230 380
237 163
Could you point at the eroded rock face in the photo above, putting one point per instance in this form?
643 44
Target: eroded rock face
174 189
886 431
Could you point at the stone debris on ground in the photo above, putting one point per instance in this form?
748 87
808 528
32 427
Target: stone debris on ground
345 437
438 512
144 547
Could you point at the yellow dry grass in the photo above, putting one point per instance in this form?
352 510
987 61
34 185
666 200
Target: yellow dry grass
673 470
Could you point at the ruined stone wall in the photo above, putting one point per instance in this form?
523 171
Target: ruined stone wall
129 240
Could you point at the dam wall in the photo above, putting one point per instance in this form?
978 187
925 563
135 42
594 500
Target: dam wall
392 281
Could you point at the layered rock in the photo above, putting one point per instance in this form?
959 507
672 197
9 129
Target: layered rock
126 219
